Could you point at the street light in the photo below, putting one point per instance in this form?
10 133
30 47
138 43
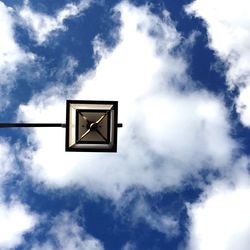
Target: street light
91 126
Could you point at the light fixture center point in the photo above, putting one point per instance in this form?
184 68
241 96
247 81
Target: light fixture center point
93 126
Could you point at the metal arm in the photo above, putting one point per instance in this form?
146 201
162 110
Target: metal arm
19 125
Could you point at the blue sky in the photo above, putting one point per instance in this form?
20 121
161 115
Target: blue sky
180 71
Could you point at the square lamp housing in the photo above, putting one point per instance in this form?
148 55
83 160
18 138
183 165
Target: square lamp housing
91 126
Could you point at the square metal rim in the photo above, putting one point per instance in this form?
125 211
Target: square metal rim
115 108
92 102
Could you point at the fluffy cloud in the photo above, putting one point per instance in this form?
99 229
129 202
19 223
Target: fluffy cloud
66 234
7 162
220 219
15 218
42 25
15 221
243 104
228 25
12 55
160 222
171 131
129 246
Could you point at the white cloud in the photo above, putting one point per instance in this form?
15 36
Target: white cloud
243 105
168 134
129 246
42 26
66 69
66 234
163 223
15 221
15 218
7 162
11 54
228 25
220 219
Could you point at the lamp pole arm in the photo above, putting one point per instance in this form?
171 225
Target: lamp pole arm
31 125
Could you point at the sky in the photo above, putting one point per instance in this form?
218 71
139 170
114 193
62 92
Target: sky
180 71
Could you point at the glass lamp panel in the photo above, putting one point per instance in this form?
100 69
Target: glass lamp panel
85 119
